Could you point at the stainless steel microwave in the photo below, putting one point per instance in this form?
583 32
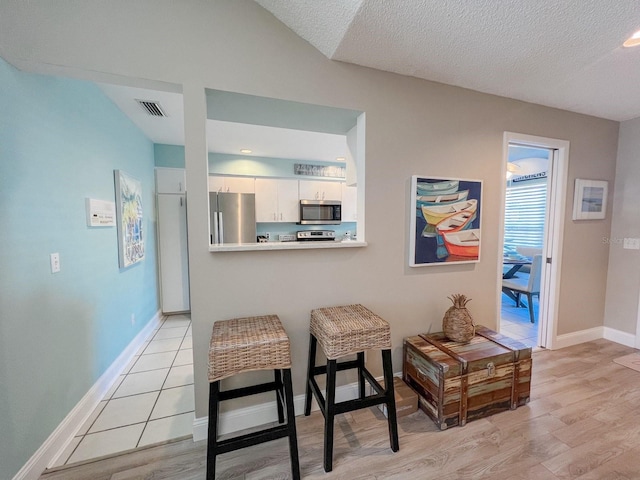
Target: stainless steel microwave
320 212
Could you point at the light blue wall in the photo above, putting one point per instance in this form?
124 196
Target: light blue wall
224 164
171 156
60 141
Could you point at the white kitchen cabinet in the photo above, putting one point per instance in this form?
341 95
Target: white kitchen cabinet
276 200
171 180
219 183
349 203
320 190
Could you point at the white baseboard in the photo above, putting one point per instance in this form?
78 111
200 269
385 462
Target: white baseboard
248 417
50 451
575 338
623 338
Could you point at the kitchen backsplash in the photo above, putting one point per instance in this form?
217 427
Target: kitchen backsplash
275 229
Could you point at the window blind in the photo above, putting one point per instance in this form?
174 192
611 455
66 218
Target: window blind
525 212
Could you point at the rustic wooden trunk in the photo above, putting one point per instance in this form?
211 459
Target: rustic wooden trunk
460 382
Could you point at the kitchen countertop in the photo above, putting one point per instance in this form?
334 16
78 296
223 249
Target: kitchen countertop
308 245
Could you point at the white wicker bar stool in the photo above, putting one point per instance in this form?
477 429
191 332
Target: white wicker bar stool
342 331
241 345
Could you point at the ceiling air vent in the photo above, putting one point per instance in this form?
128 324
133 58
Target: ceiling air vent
152 108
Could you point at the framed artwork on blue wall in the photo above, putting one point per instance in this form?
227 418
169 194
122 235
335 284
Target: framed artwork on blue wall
129 219
445 221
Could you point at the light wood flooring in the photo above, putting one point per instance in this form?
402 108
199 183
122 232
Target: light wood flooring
582 423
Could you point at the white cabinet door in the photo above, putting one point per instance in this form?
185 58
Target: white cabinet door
219 183
288 204
320 190
170 180
276 200
266 200
173 254
349 203
240 184
216 184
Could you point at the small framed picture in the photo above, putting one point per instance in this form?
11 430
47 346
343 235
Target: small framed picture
129 219
590 199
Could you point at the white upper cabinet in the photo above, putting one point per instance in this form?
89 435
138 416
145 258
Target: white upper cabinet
320 190
170 180
276 200
231 184
349 203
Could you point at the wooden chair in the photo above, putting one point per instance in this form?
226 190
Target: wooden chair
529 285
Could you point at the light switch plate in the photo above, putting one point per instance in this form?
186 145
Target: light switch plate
55 262
631 243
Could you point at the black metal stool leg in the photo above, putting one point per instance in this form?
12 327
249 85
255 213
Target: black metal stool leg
361 383
214 403
329 414
391 400
277 377
291 423
311 365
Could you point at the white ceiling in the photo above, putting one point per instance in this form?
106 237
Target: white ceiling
560 53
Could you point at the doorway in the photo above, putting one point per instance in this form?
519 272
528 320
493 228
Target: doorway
531 224
525 217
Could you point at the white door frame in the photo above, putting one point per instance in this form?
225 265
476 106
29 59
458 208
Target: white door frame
552 254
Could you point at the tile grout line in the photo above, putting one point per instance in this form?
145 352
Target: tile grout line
146 424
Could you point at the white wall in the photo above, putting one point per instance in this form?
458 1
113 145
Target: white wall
413 127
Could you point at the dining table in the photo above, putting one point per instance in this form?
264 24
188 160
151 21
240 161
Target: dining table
514 264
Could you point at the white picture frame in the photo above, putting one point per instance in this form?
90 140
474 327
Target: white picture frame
590 199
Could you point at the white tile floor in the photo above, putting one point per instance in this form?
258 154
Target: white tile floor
151 402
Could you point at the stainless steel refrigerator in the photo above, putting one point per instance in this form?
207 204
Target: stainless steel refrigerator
233 217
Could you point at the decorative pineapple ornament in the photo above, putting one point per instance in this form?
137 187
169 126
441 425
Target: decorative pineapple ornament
457 323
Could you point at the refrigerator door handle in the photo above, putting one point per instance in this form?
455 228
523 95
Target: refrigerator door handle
216 236
221 228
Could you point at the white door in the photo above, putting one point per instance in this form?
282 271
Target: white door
173 253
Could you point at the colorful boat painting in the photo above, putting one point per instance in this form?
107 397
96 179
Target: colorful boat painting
434 214
432 200
465 243
437 186
456 222
444 208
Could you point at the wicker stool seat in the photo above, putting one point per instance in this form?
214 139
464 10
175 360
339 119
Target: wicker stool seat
242 345
342 331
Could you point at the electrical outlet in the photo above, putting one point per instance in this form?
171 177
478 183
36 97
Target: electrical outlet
54 258
268 235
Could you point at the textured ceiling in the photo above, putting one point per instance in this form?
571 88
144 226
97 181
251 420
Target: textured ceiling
560 53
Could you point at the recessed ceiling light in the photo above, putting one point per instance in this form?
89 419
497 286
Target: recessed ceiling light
634 41
245 150
340 159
